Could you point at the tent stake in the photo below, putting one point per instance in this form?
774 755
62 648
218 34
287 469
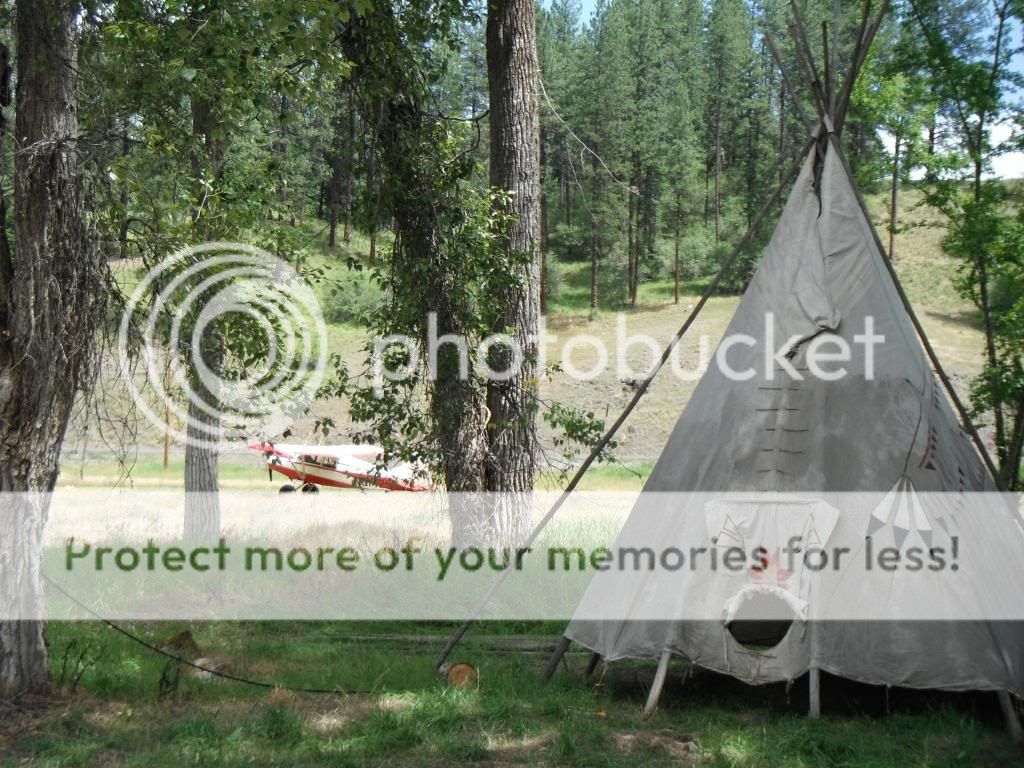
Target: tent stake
814 711
658 684
552 665
595 657
1010 713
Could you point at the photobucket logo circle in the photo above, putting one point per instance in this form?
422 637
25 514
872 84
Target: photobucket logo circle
231 337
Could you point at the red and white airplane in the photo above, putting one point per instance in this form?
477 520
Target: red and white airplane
340 466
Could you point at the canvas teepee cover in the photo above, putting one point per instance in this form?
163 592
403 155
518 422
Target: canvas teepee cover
889 436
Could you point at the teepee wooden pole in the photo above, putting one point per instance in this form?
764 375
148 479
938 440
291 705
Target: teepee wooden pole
807 68
641 390
1013 725
861 56
814 708
552 666
830 96
793 99
659 682
798 32
595 659
965 417
851 74
837 22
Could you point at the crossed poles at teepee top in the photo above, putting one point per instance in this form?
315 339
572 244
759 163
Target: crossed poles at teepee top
831 122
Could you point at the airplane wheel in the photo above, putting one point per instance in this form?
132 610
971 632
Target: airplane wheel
286 489
310 488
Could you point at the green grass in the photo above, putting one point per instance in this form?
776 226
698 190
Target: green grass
246 471
235 471
405 716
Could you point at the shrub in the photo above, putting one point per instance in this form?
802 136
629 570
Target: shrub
351 298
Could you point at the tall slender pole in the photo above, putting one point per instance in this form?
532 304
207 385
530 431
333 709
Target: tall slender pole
659 682
1011 717
167 417
552 665
797 107
834 65
814 709
894 201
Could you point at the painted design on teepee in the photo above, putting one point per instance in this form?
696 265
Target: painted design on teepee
901 509
784 431
767 570
811 535
730 535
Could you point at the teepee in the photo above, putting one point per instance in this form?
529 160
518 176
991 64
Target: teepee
760 457
777 448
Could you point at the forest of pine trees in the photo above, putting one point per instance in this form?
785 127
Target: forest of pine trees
666 125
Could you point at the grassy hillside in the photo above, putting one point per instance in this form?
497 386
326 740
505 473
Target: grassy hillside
347 294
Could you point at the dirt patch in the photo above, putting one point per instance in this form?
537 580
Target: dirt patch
20 721
680 746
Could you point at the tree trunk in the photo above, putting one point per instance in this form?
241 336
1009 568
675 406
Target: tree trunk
281 151
782 131
563 194
333 206
893 210
336 183
52 296
371 193
1015 454
707 191
930 173
543 230
718 173
991 351
349 167
456 402
202 506
512 75
651 226
675 272
594 245
630 246
594 266
122 234
202 509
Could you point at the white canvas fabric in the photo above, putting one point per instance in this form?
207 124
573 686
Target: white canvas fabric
887 433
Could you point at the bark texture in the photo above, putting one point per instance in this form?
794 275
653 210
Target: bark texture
484 434
202 454
339 160
52 297
512 74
